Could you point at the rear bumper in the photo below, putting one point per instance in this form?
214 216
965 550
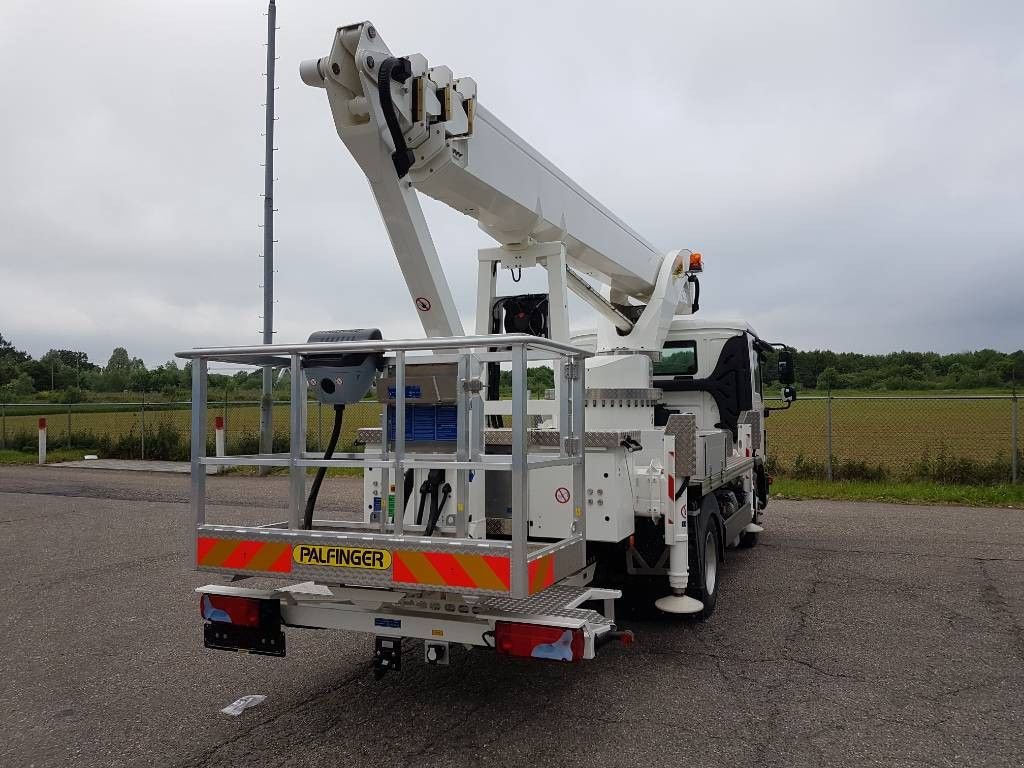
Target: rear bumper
432 616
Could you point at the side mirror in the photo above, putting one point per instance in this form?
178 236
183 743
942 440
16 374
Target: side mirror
787 373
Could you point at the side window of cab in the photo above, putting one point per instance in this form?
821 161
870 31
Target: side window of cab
678 358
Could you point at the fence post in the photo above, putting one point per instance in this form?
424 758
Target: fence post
218 440
1014 439
142 432
828 436
42 439
319 425
68 441
3 425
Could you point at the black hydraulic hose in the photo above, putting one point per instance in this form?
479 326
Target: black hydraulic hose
407 487
399 70
696 293
424 491
494 369
436 509
434 479
339 413
434 512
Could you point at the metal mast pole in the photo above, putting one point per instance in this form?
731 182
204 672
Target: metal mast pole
267 400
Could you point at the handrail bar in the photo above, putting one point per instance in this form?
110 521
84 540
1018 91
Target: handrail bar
431 344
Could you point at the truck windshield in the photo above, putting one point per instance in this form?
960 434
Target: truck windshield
678 358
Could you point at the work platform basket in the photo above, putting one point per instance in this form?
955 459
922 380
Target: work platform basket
387 553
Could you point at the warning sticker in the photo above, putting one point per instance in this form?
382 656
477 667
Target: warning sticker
422 303
562 495
342 557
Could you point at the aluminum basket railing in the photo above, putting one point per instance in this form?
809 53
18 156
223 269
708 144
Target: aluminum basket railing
470 354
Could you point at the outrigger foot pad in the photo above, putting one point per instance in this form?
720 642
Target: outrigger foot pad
681 604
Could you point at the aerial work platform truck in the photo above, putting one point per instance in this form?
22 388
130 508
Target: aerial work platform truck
509 523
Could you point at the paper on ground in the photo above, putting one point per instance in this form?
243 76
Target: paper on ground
236 708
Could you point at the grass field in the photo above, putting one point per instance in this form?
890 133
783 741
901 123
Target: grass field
1011 496
125 423
28 457
960 441
896 435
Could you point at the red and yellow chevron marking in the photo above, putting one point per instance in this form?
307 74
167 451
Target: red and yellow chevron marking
489 572
541 573
451 570
270 556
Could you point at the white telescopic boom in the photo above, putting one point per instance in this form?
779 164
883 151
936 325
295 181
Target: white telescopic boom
424 130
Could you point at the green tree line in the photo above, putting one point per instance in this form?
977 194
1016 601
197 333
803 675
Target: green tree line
823 369
68 375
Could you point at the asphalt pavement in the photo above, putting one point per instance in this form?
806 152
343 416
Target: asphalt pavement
853 634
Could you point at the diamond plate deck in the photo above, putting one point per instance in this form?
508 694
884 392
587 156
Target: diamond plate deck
538 438
553 601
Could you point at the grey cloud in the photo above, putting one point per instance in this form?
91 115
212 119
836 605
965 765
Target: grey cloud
851 171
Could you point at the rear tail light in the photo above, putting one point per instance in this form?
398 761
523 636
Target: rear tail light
538 642
231 609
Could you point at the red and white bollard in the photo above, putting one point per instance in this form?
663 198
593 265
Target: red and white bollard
42 439
218 431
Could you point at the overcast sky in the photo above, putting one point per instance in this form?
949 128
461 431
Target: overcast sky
851 171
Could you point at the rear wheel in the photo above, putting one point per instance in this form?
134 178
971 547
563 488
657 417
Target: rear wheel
704 564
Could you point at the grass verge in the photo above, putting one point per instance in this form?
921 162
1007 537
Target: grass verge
1011 496
25 457
283 471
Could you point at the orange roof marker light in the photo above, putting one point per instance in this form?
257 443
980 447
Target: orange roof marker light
696 263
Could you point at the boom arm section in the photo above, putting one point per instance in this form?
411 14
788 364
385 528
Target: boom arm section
449 147
353 95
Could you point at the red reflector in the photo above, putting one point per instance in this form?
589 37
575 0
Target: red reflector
231 609
534 641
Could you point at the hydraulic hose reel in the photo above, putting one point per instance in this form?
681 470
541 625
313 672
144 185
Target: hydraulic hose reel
340 379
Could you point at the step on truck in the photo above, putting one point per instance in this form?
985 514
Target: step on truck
513 521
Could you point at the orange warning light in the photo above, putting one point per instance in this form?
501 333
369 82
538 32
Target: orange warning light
696 263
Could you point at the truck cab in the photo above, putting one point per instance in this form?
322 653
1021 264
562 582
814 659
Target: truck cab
708 367
711 368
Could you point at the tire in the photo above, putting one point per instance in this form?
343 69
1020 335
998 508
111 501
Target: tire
705 564
761 485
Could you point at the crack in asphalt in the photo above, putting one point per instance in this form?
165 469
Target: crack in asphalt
1000 609
108 567
894 553
204 757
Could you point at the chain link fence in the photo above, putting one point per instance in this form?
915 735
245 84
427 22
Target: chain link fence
147 430
969 439
951 439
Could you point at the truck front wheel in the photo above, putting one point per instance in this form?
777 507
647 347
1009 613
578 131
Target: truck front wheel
704 565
